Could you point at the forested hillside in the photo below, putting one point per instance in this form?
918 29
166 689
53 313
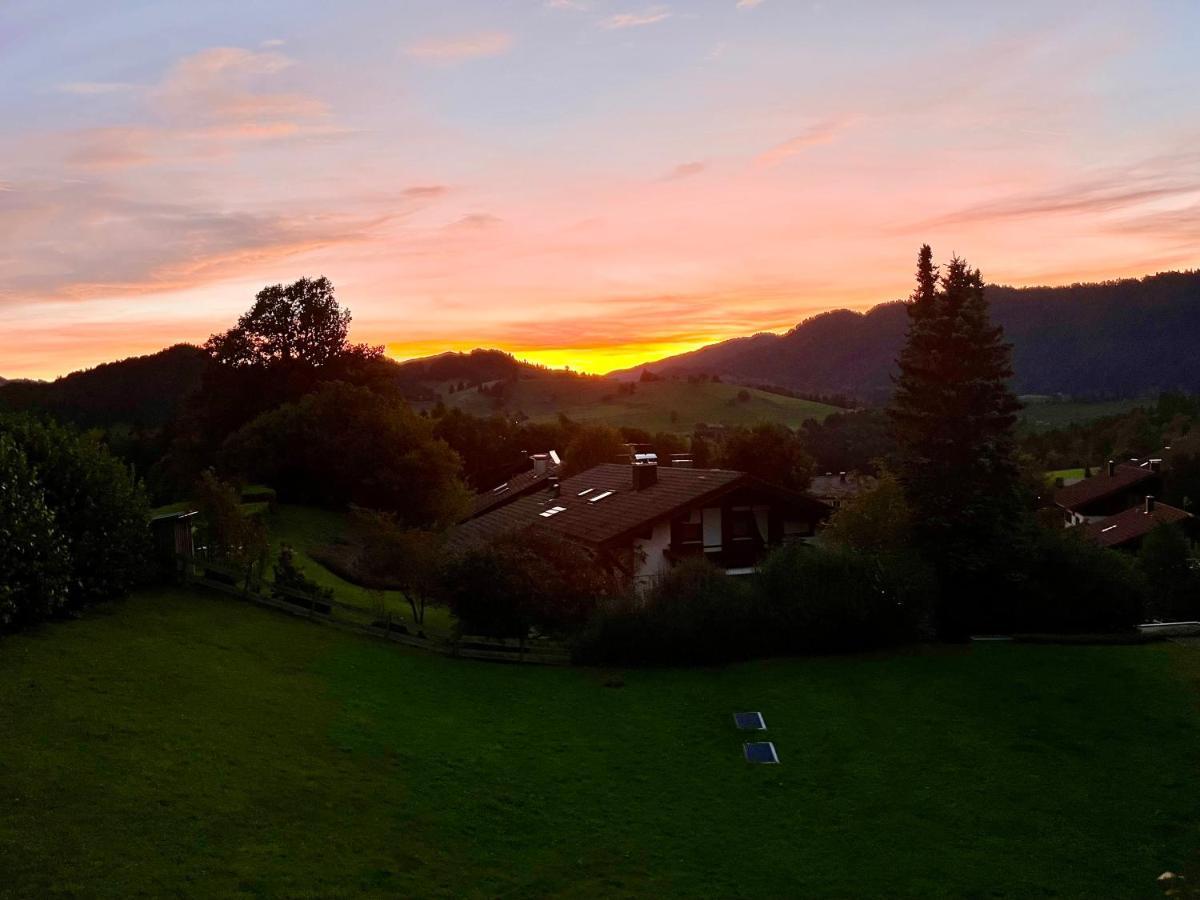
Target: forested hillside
1125 338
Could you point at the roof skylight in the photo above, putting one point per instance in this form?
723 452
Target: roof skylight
552 511
600 497
585 492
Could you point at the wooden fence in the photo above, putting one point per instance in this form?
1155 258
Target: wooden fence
247 583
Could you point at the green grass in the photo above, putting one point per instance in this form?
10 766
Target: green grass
649 407
1064 474
192 745
1051 414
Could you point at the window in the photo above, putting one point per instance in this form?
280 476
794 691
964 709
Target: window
585 492
600 496
688 531
742 526
552 511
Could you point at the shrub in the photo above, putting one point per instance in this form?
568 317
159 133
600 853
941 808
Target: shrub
803 600
519 582
34 565
286 577
1073 585
835 600
100 511
1173 583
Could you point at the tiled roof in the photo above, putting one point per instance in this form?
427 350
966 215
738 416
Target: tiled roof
1102 485
517 486
1133 523
588 516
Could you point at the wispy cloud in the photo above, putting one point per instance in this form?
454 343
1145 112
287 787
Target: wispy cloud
462 47
637 19
748 4
685 170
822 132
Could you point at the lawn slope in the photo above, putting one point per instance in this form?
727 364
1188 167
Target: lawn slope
188 744
655 406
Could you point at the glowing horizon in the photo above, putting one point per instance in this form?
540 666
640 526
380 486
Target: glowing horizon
578 182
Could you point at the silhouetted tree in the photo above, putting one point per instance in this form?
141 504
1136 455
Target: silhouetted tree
953 416
771 452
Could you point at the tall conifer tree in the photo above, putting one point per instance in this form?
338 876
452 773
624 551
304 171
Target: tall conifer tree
953 416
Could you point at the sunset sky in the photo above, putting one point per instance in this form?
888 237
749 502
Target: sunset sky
582 182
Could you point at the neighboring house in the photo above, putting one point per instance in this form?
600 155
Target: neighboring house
1117 488
545 468
1127 529
640 519
836 489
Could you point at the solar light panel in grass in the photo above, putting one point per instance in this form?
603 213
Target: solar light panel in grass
750 721
761 752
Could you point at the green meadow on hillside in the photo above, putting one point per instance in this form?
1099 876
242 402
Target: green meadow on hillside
655 406
187 744
1046 415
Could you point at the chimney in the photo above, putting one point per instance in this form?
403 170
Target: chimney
842 477
644 464
541 463
1156 465
1112 468
1149 504
555 486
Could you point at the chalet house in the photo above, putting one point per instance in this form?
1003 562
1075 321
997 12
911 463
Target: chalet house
640 519
1120 487
545 467
1127 529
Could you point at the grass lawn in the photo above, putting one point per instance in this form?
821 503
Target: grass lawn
190 745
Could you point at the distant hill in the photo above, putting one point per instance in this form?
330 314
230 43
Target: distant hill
141 390
542 394
1123 338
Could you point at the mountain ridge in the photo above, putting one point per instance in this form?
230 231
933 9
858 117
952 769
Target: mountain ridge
1126 337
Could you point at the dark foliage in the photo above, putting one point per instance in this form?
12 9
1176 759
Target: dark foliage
803 600
953 417
100 511
1068 584
521 582
35 569
287 580
855 441
1166 561
345 445
769 451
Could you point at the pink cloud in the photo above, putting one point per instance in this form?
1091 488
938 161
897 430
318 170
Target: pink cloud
822 132
637 19
463 47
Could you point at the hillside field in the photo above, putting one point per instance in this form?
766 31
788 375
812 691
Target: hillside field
187 744
1038 416
655 406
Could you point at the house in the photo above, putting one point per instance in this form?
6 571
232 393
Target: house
836 489
544 468
640 519
1119 487
1128 528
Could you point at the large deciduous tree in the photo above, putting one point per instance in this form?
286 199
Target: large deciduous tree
953 416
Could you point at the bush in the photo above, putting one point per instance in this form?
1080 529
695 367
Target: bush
803 600
100 511
1075 586
287 578
519 582
1173 583
34 565
834 600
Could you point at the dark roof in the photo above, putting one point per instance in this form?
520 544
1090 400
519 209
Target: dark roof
609 518
1102 485
517 486
1133 523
